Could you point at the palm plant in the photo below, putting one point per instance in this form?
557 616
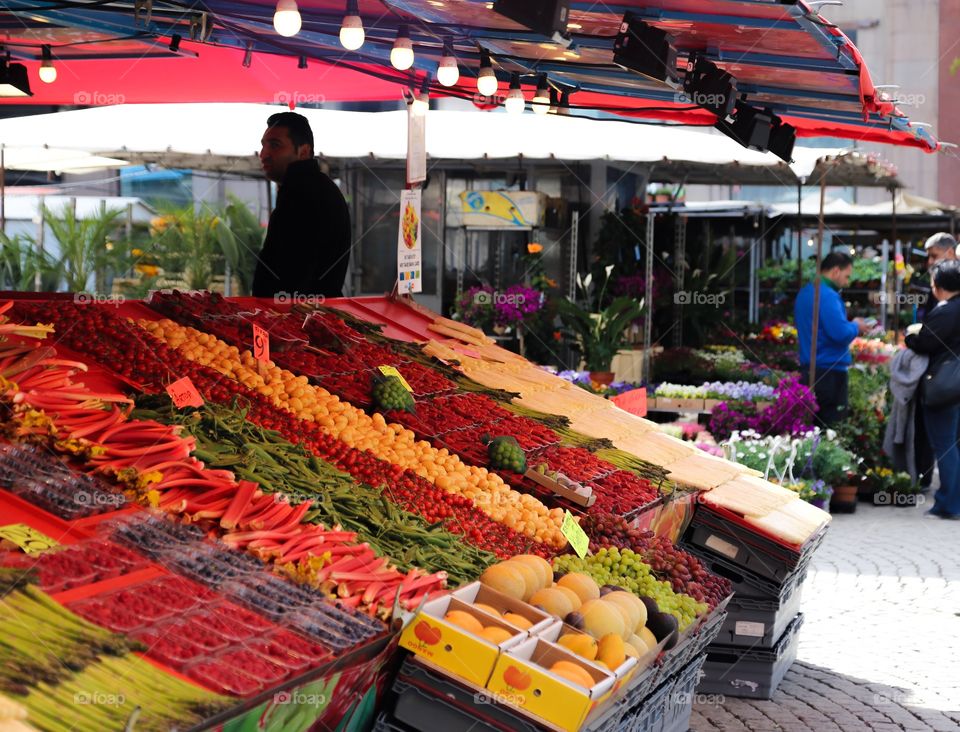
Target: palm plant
240 236
188 243
85 249
21 262
600 335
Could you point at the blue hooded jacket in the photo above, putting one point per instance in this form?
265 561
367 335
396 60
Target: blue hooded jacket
834 332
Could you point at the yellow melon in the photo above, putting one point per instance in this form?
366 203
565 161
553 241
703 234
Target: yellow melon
648 637
539 564
487 609
552 601
602 618
571 595
496 634
531 577
584 585
610 651
506 579
639 644
517 621
580 643
572 672
464 620
634 606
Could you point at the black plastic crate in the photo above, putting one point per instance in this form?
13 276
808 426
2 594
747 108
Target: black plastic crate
736 542
746 583
679 703
386 723
759 623
692 646
752 673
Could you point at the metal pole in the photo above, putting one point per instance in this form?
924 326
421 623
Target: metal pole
799 236
37 279
680 263
816 288
3 190
648 289
572 263
898 258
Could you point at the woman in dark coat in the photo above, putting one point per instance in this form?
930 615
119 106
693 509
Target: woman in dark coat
939 338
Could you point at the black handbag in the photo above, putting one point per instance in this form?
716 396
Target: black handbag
941 389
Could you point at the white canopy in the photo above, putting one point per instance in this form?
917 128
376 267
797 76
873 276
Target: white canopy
187 135
26 207
62 160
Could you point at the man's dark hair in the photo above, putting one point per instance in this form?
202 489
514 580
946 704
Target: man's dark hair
296 125
946 275
836 259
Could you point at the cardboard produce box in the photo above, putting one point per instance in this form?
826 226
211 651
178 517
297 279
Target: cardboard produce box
522 676
680 405
461 652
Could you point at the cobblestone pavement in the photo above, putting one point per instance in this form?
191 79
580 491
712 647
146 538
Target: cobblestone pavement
880 644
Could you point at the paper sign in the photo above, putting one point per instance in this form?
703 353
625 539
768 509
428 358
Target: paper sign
409 251
184 393
261 344
416 147
633 401
391 371
575 535
27 538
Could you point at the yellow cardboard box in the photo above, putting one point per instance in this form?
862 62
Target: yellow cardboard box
522 677
457 650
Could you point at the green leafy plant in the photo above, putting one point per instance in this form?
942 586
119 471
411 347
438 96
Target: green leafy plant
21 262
240 236
600 335
85 247
188 241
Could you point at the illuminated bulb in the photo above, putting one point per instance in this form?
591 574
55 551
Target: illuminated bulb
286 18
420 105
401 55
448 73
515 102
351 31
48 73
541 100
487 83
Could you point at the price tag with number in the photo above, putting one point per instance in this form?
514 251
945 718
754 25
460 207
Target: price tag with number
575 535
261 344
391 371
27 538
184 393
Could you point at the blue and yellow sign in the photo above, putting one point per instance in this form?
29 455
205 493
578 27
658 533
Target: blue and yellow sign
506 209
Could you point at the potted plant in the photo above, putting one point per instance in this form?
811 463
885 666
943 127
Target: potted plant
836 467
600 335
816 493
903 490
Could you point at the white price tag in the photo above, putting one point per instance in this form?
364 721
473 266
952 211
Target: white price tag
721 546
751 630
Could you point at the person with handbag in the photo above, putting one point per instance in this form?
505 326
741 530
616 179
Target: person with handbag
939 338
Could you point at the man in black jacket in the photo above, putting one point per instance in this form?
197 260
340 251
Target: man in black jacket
307 248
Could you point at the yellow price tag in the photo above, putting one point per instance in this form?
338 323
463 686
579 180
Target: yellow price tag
27 538
575 535
392 371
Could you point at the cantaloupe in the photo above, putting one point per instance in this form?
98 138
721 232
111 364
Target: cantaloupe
648 637
625 614
631 650
464 620
631 604
584 585
572 672
552 601
601 618
639 644
539 564
506 579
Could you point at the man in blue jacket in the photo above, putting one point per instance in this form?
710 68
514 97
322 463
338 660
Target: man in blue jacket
834 335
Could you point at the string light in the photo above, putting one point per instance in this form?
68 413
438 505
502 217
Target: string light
515 102
351 31
286 18
248 55
175 42
487 83
421 101
448 73
541 100
302 63
48 72
401 55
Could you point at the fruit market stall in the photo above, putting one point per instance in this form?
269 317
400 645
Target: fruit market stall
237 527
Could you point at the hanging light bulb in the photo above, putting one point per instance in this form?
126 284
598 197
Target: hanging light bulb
564 103
401 56
286 18
48 72
515 102
487 83
248 55
351 31
421 100
448 73
541 100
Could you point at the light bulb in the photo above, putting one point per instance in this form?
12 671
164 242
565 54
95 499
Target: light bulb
401 55
448 72
286 18
48 73
515 102
420 105
487 83
541 100
351 32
